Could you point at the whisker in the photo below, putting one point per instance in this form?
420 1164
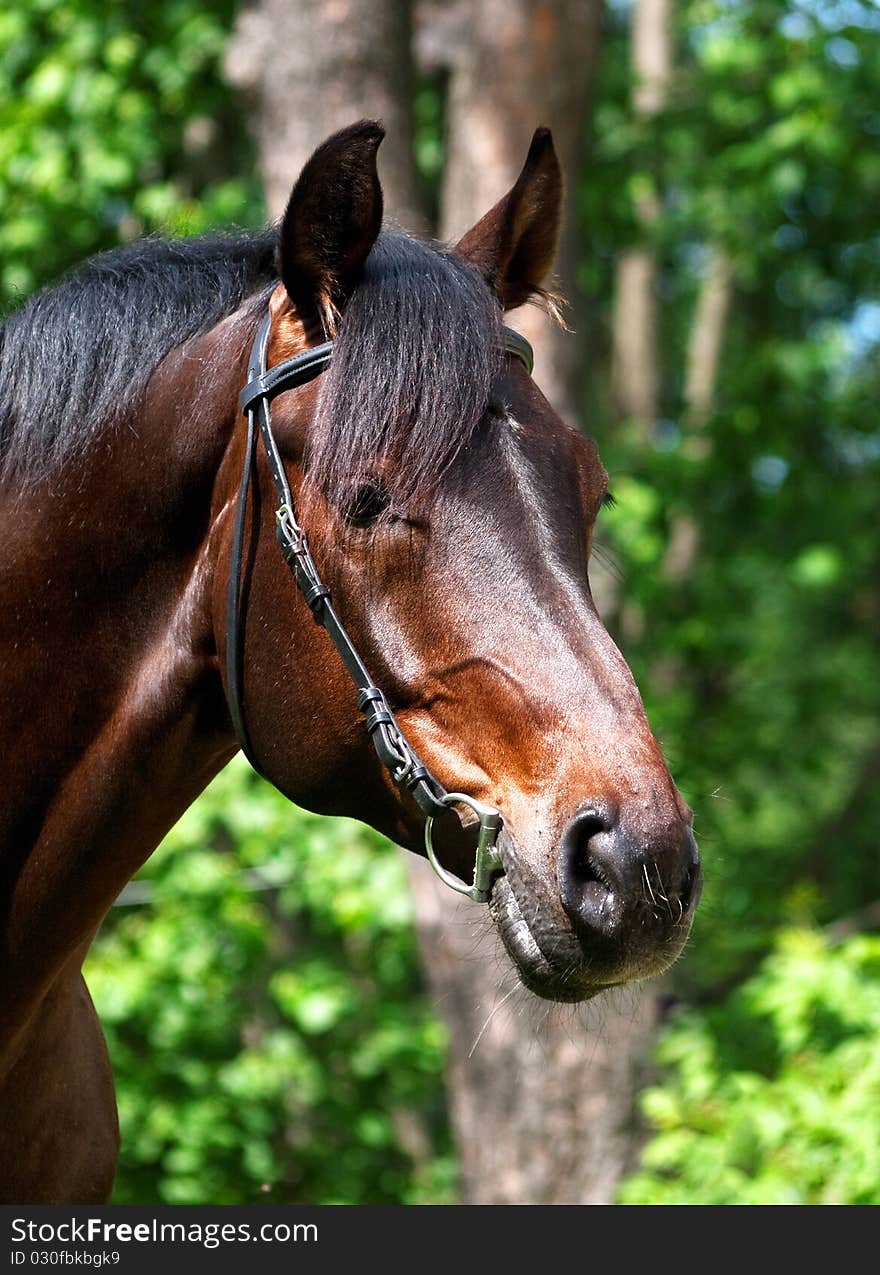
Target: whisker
648 883
660 890
506 997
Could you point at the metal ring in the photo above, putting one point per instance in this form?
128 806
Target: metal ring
487 864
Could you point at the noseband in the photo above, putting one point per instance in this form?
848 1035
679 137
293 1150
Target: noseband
391 745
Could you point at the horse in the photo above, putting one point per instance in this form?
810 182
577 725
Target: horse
187 572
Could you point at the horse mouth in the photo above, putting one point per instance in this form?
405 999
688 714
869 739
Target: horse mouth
551 980
553 962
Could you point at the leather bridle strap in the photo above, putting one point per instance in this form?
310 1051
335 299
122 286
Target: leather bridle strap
391 745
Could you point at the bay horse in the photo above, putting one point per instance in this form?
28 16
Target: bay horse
160 598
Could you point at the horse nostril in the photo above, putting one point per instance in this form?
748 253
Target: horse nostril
606 878
587 877
583 865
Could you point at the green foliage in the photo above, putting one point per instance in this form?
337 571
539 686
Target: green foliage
773 1097
759 661
268 1029
264 1014
114 122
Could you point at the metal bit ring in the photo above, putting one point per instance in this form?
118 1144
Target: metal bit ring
487 864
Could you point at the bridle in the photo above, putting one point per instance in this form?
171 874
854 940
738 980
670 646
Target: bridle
392 747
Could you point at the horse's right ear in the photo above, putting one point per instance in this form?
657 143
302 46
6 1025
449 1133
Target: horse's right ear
513 246
332 221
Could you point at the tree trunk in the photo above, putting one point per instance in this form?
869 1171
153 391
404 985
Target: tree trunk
541 1097
701 375
521 64
635 357
313 67
707 338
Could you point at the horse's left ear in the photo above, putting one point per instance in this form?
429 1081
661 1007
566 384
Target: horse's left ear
513 246
332 220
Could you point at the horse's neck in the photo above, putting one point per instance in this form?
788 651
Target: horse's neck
113 708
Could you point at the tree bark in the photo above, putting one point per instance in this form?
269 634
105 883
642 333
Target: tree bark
310 68
521 64
707 338
701 376
635 356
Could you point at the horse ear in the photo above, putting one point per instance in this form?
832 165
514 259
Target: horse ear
513 246
332 220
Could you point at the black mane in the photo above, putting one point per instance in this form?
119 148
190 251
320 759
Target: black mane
414 360
77 356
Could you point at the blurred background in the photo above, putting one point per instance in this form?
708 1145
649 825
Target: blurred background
294 1013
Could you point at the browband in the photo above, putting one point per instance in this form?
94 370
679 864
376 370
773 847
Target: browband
295 371
302 368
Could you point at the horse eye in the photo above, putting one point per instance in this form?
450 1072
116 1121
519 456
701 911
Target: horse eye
367 504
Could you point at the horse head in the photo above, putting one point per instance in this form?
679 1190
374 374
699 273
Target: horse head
449 511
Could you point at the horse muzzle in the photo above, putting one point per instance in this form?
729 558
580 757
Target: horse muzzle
620 907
